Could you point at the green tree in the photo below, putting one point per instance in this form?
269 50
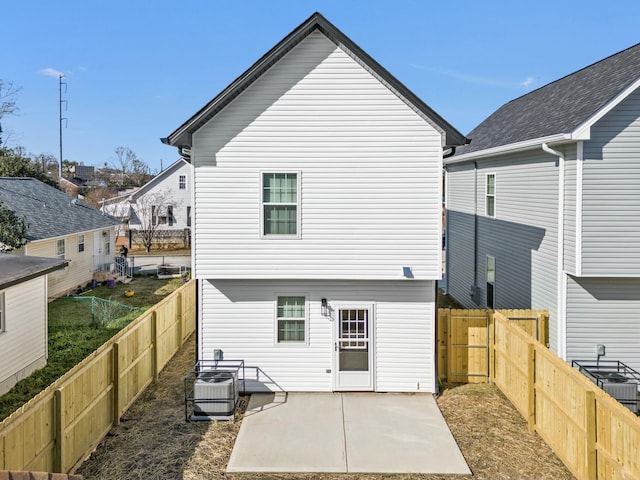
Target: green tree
13 230
14 163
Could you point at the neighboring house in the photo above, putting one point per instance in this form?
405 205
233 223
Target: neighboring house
317 179
543 209
23 316
164 201
60 226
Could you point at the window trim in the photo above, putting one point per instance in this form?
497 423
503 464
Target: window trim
81 243
270 236
488 195
182 182
59 253
291 343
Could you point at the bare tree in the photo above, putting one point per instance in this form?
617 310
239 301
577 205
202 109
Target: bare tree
153 212
8 92
132 172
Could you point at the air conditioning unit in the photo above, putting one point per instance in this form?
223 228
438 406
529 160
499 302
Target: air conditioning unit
215 394
614 377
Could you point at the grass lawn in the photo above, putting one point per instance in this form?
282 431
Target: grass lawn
74 333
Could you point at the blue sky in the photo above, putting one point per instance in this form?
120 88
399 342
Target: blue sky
136 70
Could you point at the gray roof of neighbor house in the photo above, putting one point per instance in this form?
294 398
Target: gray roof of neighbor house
16 269
181 137
49 212
559 107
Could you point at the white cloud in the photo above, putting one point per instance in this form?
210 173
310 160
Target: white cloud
51 72
475 79
528 82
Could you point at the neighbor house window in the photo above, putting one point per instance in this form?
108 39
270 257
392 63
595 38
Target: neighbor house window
490 195
170 215
291 319
60 248
491 281
2 315
106 242
182 182
188 216
154 215
80 243
280 203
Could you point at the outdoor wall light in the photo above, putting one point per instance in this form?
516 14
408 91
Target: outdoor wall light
324 309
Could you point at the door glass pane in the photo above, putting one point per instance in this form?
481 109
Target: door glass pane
353 341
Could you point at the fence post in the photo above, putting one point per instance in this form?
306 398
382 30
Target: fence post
116 383
531 381
154 339
449 352
590 429
544 327
179 319
58 460
491 346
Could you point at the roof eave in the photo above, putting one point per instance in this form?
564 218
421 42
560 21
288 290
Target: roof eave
509 148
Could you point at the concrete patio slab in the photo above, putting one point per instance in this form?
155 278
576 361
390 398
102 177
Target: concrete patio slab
345 433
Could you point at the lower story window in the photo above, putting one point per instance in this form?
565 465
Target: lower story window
291 319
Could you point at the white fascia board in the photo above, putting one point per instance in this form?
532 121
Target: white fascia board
512 147
583 132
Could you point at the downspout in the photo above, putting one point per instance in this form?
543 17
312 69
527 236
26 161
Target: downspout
561 282
475 230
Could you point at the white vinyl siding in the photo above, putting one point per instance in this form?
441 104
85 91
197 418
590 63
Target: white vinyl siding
24 341
238 317
611 193
522 237
605 311
2 312
370 175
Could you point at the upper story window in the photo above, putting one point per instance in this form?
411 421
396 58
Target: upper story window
60 248
280 204
80 243
182 182
490 195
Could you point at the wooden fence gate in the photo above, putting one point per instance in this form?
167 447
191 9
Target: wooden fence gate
465 337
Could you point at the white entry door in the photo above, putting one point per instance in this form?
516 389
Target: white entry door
354 349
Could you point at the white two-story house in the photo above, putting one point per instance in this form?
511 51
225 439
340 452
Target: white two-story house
317 228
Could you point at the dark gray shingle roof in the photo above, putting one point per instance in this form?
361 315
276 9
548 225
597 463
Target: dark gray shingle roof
48 211
16 269
559 107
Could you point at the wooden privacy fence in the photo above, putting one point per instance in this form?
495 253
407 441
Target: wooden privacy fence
60 426
464 340
596 437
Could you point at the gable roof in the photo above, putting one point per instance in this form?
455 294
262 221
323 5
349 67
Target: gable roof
565 108
49 212
16 269
181 137
158 178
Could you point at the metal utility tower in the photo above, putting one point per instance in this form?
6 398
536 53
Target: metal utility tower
61 119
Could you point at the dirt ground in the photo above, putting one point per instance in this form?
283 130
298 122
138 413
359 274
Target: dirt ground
154 441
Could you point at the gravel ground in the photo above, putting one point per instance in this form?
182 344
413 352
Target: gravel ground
154 441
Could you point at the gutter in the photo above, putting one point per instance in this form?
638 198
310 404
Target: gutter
561 283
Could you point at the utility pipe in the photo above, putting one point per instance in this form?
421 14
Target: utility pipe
561 283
